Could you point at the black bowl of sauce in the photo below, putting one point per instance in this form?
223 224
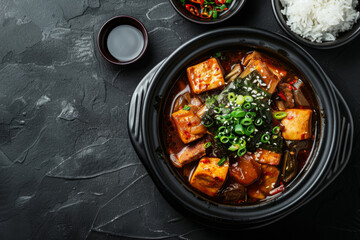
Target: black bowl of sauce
122 40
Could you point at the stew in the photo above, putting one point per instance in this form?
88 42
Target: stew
239 126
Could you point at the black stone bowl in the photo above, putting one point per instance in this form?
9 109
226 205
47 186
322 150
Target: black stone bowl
234 8
331 151
342 39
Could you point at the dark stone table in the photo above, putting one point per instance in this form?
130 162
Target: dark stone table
67 168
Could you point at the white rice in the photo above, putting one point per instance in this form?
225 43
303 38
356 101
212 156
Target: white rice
320 20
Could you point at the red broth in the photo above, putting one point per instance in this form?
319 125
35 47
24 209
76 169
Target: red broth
233 191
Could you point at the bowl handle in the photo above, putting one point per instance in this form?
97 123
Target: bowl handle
135 112
346 138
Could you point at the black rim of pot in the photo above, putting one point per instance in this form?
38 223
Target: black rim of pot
168 183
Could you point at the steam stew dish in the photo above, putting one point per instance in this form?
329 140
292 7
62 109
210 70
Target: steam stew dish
239 126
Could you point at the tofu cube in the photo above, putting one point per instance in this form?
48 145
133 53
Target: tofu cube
205 76
297 124
188 125
267 157
208 176
191 152
245 170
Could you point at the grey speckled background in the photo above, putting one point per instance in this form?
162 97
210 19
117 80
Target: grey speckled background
67 168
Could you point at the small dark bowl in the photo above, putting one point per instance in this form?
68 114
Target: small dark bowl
234 8
342 39
110 25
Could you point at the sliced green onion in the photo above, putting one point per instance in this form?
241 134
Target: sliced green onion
246 121
247 106
217 110
221 161
240 100
220 119
248 99
233 148
241 152
239 129
276 130
232 136
186 107
207 145
231 97
224 139
258 122
208 124
242 143
228 1
250 115
250 129
265 138
227 116
221 129
238 114
280 115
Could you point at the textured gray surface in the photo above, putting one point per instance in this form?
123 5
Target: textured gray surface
67 168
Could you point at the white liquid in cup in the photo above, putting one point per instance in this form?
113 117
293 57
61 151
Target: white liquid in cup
125 42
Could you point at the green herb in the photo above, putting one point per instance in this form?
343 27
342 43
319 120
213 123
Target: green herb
279 115
248 99
231 97
240 100
246 121
217 55
250 129
241 152
186 107
240 119
221 161
207 145
228 1
276 130
238 114
183 2
247 106
265 138
224 139
258 122
233 148
239 129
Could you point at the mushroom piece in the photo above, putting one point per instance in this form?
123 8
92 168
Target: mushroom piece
289 168
234 192
181 101
235 72
299 97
